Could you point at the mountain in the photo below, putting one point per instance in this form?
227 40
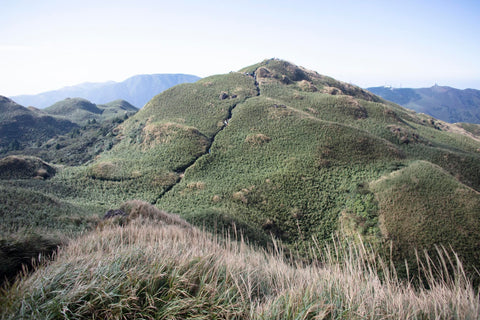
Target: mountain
71 132
80 110
21 127
444 103
137 90
279 150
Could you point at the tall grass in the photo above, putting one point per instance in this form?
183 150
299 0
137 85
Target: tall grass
157 271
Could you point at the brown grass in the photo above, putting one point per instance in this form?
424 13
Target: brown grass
257 139
159 133
168 272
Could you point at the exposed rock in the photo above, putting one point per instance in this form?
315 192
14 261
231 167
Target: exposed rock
114 213
404 136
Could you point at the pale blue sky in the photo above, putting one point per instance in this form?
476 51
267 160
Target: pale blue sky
48 44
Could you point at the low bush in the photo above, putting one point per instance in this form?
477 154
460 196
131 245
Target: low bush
22 252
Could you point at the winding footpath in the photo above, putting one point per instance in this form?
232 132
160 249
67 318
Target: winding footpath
226 121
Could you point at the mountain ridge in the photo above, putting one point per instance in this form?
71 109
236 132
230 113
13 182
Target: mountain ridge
442 102
137 90
21 127
276 149
81 110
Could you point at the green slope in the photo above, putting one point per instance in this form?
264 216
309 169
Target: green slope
422 206
275 149
70 132
81 111
21 127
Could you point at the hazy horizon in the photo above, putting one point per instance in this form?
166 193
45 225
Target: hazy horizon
52 44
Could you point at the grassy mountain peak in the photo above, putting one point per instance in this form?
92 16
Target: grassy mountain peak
277 150
282 150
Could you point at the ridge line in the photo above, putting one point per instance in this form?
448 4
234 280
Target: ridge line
181 170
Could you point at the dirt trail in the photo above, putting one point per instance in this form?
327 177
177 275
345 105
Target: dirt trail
226 121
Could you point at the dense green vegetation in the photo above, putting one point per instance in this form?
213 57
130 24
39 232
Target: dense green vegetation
471 127
421 204
79 146
71 132
21 127
272 150
82 111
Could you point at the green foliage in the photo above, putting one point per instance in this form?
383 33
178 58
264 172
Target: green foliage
21 253
22 128
33 224
287 163
360 216
22 208
422 206
82 111
199 104
218 222
78 146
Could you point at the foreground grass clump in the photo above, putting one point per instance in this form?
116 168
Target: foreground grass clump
20 252
148 270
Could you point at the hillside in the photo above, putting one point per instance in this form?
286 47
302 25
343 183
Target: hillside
21 127
276 149
137 90
70 132
471 127
160 267
81 111
444 103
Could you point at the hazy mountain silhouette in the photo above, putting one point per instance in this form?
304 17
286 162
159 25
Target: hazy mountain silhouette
444 103
137 90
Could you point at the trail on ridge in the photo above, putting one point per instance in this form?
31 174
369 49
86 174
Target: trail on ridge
226 121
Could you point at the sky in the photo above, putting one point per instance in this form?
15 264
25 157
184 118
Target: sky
48 44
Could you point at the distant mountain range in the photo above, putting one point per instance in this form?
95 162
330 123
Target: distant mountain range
444 103
137 90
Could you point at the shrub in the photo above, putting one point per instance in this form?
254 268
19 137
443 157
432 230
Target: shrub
24 167
140 211
19 253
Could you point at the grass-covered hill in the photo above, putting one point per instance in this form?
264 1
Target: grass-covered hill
80 145
299 154
276 149
471 127
444 103
21 127
70 132
81 111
